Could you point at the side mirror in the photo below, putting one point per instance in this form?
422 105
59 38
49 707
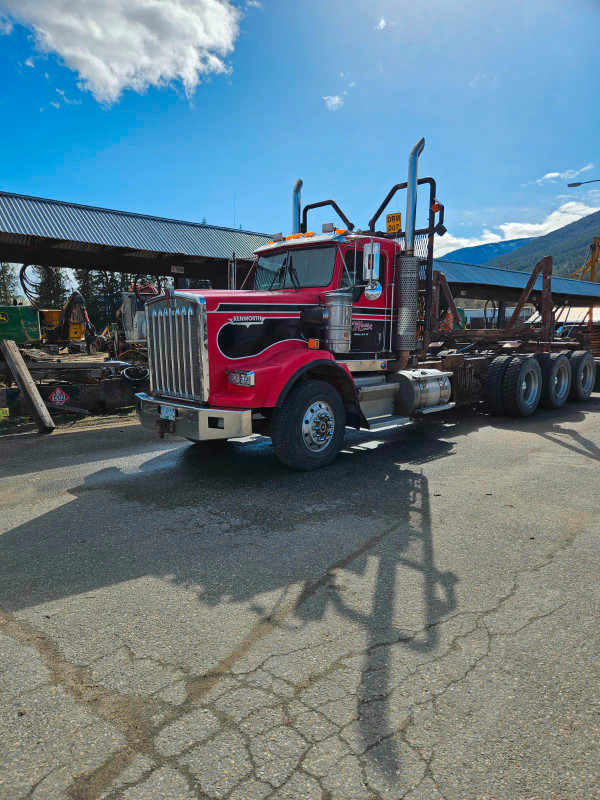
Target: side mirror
371 253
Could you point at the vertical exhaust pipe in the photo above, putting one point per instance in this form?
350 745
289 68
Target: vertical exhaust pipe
296 206
407 269
411 197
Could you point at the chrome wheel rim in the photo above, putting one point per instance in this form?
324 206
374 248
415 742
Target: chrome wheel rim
318 426
561 381
587 376
529 387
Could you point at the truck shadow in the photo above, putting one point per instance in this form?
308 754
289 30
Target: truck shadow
365 520
354 541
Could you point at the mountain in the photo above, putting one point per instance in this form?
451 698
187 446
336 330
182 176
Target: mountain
568 246
482 253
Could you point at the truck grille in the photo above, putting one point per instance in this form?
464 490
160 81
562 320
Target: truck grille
177 348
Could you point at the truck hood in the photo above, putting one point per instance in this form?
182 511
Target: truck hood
216 298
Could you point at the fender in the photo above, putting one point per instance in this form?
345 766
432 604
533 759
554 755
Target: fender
329 370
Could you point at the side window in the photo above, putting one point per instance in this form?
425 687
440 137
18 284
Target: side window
353 274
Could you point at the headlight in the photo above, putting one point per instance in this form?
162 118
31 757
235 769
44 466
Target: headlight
240 377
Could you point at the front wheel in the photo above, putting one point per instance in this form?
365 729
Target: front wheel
308 430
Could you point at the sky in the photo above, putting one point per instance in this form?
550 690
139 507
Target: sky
207 108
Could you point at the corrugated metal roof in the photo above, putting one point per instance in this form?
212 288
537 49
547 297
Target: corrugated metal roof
468 274
25 216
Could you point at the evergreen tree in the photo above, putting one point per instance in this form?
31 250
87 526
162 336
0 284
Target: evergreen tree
52 289
9 284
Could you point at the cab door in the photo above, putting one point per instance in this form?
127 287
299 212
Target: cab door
371 313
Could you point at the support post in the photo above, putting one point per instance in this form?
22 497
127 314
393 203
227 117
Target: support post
24 381
547 316
501 314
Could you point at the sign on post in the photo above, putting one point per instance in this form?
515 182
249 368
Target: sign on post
394 223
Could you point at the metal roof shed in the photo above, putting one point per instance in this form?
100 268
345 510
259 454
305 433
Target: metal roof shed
480 282
34 230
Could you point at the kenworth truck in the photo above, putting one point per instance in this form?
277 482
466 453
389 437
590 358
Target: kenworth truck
343 329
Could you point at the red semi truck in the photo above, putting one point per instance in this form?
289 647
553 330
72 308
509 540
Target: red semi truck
342 329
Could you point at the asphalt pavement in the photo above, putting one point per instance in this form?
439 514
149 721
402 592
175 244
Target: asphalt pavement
418 620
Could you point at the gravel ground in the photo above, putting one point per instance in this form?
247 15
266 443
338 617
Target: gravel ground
419 620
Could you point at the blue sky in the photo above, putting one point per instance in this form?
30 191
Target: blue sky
170 107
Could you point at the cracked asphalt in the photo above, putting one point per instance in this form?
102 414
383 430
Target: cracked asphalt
419 620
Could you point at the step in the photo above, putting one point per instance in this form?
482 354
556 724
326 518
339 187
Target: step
433 409
381 423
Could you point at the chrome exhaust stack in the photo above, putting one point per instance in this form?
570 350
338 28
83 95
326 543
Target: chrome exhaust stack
296 206
411 196
407 269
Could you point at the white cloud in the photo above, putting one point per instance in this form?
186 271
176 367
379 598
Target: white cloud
563 215
29 63
66 100
380 24
5 26
333 102
132 44
552 177
449 243
254 4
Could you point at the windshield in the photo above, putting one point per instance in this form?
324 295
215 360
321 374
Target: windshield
294 268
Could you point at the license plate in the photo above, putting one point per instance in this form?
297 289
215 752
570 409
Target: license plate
167 412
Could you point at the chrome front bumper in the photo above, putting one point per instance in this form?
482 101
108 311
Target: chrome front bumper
193 422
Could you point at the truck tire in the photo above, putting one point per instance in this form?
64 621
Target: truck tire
556 379
308 430
583 374
494 384
522 386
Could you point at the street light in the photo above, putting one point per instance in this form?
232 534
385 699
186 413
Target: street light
596 180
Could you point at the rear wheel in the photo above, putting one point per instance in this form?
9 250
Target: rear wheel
556 379
522 386
494 384
308 430
583 371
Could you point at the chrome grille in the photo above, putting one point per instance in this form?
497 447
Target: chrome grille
177 348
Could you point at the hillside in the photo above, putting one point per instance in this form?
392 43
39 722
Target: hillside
482 253
568 246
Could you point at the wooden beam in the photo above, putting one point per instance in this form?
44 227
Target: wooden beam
441 279
525 294
24 381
